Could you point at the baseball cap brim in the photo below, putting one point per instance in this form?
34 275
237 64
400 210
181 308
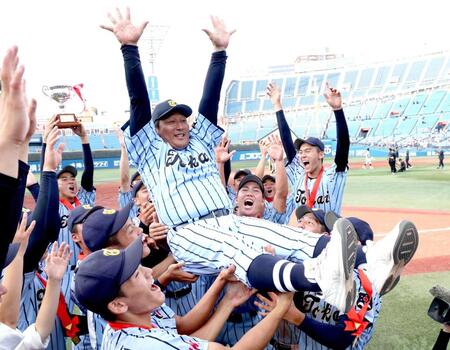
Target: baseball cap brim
301 211
133 257
242 172
310 141
136 188
267 178
67 169
251 178
319 214
180 108
121 218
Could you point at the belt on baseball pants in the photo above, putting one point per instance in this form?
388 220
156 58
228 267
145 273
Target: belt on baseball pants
176 294
279 346
237 317
213 214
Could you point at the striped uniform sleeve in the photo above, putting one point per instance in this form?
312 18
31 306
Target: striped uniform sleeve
208 133
86 197
271 214
141 145
155 338
124 198
294 171
335 182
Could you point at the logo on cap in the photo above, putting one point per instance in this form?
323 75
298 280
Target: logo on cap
87 206
111 252
109 211
171 103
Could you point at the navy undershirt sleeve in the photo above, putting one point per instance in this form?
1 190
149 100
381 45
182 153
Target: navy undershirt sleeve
343 141
34 190
140 112
209 104
48 223
285 135
332 336
87 179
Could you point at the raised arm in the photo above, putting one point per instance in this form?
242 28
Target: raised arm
128 35
220 38
285 132
87 179
16 125
46 213
259 171
281 180
333 98
124 165
223 157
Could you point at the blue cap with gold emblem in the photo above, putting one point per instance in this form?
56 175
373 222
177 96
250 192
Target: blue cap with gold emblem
79 214
102 224
100 275
168 107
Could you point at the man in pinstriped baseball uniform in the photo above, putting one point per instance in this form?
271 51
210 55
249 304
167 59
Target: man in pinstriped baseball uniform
177 165
312 184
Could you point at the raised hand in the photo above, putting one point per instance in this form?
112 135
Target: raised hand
275 149
176 273
126 32
282 302
219 35
15 122
23 234
146 213
262 149
274 93
49 127
81 132
238 293
53 155
221 151
333 97
121 139
227 275
57 260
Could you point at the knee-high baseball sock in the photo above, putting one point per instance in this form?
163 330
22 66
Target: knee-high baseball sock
272 273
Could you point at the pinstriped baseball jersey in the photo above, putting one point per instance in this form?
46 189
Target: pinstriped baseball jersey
96 327
31 299
207 246
164 318
270 214
330 191
325 313
181 305
154 338
124 199
84 197
184 184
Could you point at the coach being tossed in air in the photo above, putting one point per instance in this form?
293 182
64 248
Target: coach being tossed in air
313 185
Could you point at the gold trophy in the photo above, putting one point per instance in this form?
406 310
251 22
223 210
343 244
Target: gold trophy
61 94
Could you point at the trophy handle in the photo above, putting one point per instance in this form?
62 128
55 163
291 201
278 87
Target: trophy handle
45 90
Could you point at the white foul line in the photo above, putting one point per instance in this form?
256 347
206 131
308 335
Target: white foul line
420 231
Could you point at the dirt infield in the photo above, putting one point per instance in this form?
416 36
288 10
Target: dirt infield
434 248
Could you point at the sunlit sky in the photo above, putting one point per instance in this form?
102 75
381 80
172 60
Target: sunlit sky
60 42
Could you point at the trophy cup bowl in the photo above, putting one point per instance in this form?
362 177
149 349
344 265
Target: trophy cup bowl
61 94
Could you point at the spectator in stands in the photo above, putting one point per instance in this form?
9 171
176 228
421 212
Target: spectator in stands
441 159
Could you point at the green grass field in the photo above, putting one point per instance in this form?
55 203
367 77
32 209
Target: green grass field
421 187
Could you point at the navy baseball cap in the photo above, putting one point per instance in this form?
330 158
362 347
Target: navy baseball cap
268 177
168 107
319 214
102 224
242 172
136 188
100 275
79 214
362 228
135 176
251 178
67 169
313 141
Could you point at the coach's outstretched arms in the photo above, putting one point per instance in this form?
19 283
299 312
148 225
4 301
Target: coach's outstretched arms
15 125
274 93
220 38
128 35
333 98
46 213
276 153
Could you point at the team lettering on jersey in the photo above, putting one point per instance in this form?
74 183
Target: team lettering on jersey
312 304
301 198
193 162
64 220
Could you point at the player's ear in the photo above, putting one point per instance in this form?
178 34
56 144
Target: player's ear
76 236
321 155
117 306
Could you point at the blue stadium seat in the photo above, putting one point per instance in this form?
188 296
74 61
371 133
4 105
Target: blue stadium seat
415 105
382 110
96 142
387 127
73 143
432 102
111 141
406 126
